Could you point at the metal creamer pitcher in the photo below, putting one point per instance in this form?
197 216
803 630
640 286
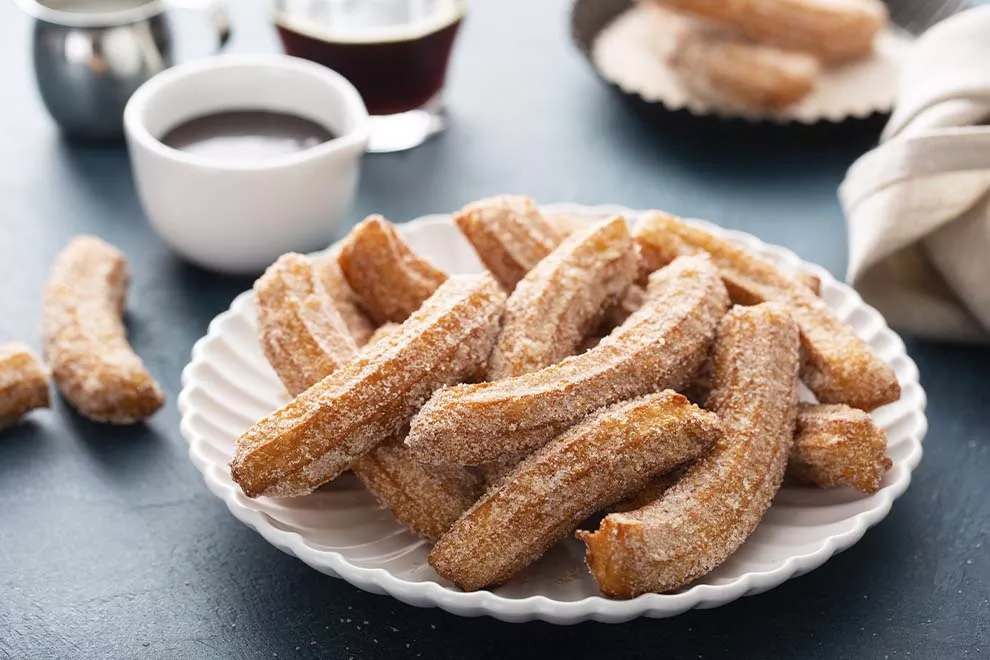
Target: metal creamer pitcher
90 55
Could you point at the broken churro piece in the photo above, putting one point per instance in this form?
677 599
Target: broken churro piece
85 342
716 505
388 278
835 445
324 430
831 30
563 298
658 347
608 455
23 383
302 334
837 365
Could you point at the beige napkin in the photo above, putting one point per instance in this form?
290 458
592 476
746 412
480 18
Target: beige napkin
918 206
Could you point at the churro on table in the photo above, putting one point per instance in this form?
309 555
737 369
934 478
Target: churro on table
701 520
328 427
609 455
836 364
488 422
23 383
85 342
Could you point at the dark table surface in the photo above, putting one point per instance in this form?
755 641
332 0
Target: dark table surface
111 546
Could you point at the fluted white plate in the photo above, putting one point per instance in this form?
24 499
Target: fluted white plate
342 531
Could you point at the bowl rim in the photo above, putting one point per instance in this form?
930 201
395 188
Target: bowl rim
353 141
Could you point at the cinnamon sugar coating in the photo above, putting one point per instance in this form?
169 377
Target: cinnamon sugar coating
715 506
84 338
658 347
835 445
510 235
426 499
388 278
837 365
23 383
563 298
328 271
302 334
608 455
322 432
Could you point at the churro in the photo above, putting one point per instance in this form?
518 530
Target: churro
85 341
388 278
716 505
302 334
310 440
426 499
342 296
735 72
835 445
510 235
658 347
831 30
23 383
837 365
610 454
563 298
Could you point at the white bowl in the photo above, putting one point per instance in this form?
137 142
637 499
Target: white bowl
341 530
240 216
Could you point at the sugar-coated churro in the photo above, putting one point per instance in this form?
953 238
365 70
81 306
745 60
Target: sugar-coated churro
835 445
831 30
608 455
388 278
426 499
837 365
563 298
716 505
322 432
510 235
85 341
658 347
342 296
302 334
736 72
23 383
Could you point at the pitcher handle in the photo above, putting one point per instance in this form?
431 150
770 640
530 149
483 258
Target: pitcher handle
214 10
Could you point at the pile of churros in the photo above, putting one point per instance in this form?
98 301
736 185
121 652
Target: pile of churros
85 344
646 373
768 54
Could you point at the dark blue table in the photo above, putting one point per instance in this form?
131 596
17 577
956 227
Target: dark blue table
111 546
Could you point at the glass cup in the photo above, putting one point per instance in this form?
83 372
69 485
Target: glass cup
395 52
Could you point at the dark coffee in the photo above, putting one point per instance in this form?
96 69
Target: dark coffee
245 135
394 52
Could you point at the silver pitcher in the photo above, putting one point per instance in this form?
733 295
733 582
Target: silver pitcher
90 55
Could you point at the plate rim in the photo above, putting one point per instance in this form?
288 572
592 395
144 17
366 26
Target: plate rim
538 607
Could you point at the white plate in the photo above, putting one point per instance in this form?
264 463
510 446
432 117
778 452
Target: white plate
342 531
